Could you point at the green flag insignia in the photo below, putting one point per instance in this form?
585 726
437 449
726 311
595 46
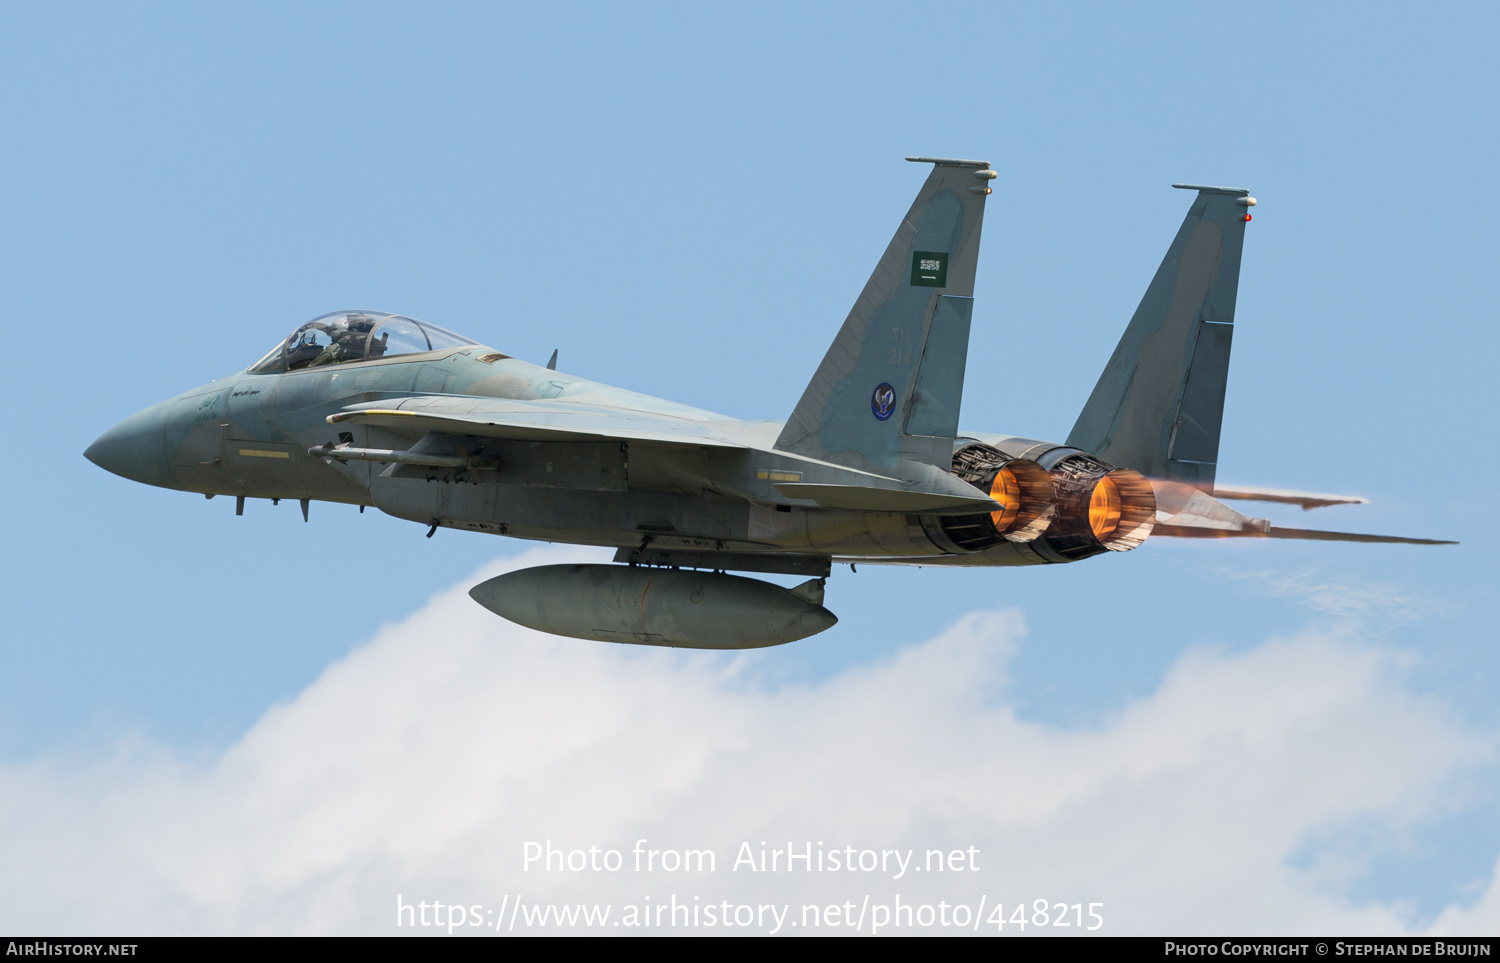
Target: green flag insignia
929 269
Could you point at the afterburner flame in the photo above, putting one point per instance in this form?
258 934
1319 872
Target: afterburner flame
1022 487
1006 490
1104 508
1122 510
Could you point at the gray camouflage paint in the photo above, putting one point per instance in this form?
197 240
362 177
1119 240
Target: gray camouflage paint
882 341
587 463
1159 404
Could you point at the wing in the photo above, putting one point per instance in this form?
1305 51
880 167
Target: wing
534 421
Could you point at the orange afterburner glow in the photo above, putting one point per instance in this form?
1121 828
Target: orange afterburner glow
1006 490
1104 508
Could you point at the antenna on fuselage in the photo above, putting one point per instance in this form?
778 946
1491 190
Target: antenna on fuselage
552 362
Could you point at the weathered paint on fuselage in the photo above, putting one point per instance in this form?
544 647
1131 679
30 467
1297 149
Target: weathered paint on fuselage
249 435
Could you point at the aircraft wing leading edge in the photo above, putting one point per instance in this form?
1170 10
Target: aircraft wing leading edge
530 421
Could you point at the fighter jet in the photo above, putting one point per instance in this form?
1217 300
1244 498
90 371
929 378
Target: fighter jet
378 409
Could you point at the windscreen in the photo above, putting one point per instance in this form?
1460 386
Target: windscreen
344 337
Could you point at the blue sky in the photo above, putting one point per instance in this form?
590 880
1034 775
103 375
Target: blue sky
685 200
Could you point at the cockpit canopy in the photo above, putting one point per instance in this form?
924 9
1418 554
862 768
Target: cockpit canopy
344 337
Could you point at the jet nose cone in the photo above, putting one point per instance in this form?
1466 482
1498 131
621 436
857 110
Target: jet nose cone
135 449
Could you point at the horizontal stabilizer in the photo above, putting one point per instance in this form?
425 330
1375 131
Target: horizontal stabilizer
1307 533
1193 531
858 498
1308 500
1183 511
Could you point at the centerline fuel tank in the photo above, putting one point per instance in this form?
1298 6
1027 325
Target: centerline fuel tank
656 606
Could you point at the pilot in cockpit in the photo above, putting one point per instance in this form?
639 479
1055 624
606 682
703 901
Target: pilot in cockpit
348 336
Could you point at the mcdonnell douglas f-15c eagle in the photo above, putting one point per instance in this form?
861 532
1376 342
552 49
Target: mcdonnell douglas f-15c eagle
372 408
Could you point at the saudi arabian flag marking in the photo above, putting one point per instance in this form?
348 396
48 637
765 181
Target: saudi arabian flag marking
929 269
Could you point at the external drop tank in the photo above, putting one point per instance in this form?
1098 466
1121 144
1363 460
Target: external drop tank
656 606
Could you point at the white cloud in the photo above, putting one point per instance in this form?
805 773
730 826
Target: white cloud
1347 598
421 763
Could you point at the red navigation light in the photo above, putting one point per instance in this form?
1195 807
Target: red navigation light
1247 217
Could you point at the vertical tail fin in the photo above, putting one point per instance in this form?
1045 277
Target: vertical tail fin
1159 403
891 384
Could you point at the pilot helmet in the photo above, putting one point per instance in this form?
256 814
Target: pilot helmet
350 327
